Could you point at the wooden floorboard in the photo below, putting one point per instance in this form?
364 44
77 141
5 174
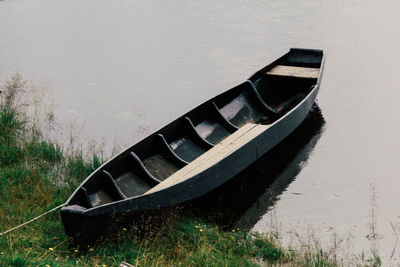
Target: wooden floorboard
300 72
212 156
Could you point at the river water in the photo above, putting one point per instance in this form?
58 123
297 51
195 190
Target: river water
124 69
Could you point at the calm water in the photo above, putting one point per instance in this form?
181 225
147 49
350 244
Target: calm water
124 69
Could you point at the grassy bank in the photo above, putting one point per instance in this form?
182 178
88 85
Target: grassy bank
37 175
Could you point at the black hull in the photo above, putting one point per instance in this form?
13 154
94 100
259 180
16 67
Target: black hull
87 224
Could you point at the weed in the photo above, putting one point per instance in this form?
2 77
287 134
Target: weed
37 174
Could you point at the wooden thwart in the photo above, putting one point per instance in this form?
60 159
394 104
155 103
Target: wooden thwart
300 72
212 156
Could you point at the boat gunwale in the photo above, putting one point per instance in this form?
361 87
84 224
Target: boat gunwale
114 206
107 206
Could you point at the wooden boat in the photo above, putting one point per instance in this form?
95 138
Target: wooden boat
200 150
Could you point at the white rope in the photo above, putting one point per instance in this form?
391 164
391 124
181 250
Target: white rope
32 220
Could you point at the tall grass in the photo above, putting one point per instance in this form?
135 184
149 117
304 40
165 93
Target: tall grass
37 174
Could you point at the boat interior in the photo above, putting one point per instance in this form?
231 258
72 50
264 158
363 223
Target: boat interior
265 97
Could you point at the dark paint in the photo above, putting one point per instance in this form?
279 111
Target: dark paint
262 99
245 198
159 166
212 131
186 149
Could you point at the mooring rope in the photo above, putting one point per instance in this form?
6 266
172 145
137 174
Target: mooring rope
32 220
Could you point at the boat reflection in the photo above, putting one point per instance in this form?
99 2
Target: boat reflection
244 199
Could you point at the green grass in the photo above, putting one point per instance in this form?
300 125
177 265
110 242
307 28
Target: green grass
37 175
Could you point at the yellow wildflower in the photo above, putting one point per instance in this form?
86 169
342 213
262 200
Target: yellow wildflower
124 229
47 265
201 230
233 230
104 265
232 237
91 249
197 226
76 250
51 249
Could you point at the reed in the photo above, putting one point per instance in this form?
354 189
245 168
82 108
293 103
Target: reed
37 174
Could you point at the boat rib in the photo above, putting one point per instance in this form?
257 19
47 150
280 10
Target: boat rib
199 151
212 156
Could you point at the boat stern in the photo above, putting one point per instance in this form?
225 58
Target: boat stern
80 228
